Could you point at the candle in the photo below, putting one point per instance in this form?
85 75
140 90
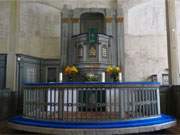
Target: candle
103 76
120 77
60 77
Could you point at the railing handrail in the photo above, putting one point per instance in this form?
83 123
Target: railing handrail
95 84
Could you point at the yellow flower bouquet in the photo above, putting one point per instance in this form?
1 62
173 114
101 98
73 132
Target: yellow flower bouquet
113 72
70 71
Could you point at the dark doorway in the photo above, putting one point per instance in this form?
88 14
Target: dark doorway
52 73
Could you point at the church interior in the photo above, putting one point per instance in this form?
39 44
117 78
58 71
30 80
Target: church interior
101 63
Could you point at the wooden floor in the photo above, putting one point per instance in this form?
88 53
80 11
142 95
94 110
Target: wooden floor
4 130
176 129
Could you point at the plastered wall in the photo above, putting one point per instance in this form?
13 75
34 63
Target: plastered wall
39 30
145 39
4 25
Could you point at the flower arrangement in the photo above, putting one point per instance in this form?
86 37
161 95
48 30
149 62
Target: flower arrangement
91 77
113 72
70 71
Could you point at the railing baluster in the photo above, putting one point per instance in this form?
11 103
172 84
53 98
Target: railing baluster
55 103
101 104
154 98
82 102
110 103
107 103
152 104
118 104
79 103
86 102
149 98
51 102
132 102
43 104
29 102
148 104
136 103
145 103
25 101
115 96
47 102
40 103
140 102
95 104
37 103
33 103
24 105
68 104
72 98
129 102
58 104
62 104
125 103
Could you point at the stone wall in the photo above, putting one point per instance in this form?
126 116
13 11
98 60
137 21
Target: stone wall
72 4
39 30
145 39
4 25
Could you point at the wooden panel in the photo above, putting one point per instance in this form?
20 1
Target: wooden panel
108 19
120 19
2 71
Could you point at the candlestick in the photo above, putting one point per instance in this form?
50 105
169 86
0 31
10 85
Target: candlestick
103 76
60 77
120 77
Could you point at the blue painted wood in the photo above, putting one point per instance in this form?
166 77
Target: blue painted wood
163 119
92 83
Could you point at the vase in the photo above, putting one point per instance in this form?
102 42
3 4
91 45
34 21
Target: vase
114 77
70 78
